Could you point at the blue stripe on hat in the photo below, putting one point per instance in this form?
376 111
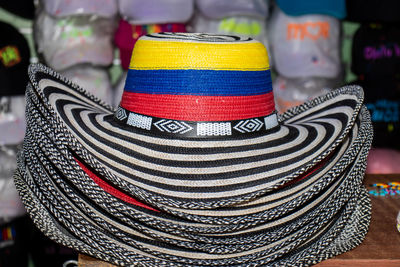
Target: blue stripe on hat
199 82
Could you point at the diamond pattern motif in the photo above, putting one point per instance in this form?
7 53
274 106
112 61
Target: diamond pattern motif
171 126
247 126
121 114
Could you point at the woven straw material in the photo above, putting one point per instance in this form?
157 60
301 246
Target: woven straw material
291 224
154 54
172 172
302 196
270 243
195 167
321 211
107 251
339 194
270 206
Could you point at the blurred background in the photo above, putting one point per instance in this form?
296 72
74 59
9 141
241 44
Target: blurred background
314 46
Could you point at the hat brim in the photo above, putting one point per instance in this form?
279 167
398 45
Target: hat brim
193 173
85 234
317 191
272 205
289 214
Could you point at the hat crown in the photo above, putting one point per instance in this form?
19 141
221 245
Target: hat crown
198 77
198 51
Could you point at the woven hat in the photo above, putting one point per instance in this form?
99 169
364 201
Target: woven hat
64 42
239 18
156 11
226 8
335 8
376 52
14 61
304 46
290 92
65 8
96 81
195 161
239 25
127 34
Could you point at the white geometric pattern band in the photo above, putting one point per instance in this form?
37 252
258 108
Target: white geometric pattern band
196 129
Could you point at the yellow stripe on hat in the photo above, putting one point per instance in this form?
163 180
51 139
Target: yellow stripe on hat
9 232
150 54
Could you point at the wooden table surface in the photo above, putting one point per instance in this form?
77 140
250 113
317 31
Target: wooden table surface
381 247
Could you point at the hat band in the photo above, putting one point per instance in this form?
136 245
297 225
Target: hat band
199 82
198 129
199 95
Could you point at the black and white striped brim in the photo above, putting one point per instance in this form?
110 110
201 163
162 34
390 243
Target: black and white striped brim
287 199
70 225
87 221
293 196
193 173
271 205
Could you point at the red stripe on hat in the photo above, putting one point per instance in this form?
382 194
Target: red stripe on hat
309 171
199 108
111 190
4 234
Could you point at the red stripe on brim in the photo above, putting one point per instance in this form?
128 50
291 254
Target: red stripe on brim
309 172
199 108
112 190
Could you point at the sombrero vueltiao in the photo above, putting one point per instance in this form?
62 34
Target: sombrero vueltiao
195 166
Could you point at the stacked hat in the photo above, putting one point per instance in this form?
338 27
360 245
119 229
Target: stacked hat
141 17
127 34
95 80
75 38
242 18
65 42
195 167
225 8
141 12
14 61
334 8
66 8
292 92
305 45
376 62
